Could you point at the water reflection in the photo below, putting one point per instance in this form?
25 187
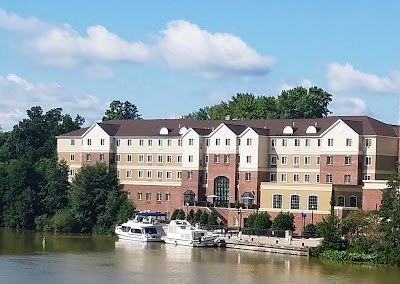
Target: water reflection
87 259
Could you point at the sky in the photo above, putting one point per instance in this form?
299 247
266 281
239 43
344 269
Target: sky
172 57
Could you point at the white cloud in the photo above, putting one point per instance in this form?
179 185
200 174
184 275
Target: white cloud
18 95
344 77
185 46
11 21
304 83
343 105
99 71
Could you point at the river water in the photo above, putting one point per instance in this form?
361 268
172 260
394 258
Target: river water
99 259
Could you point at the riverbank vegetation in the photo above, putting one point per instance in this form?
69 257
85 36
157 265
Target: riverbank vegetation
34 189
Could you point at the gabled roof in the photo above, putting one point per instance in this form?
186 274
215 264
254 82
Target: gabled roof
363 125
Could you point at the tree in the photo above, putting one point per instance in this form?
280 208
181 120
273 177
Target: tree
122 111
197 216
212 218
201 114
283 221
204 218
191 216
175 214
262 221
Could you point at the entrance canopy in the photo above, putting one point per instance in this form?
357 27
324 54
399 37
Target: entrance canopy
188 192
247 196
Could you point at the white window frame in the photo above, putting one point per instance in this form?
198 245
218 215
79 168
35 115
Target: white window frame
284 160
315 208
248 176
179 158
293 203
296 160
272 177
139 196
283 177
296 177
273 160
141 158
348 142
169 159
160 158
160 174
149 174
307 160
347 160
277 203
297 142
168 174
329 178
368 161
308 142
72 157
330 142
307 178
128 174
344 201
140 174
248 159
368 142
353 196
179 175
149 158
129 158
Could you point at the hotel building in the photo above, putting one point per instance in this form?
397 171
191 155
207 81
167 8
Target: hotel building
289 165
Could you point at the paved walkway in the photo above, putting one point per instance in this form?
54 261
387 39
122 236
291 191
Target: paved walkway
298 242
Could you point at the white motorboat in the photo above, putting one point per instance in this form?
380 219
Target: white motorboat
143 227
181 232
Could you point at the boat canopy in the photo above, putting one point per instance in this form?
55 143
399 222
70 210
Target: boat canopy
151 214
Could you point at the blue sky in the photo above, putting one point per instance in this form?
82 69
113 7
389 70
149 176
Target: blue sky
173 57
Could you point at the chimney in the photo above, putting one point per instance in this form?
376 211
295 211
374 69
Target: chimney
316 124
228 117
293 124
179 125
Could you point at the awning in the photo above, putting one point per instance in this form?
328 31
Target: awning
247 195
188 192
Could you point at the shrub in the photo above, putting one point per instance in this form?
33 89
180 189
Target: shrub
348 256
62 221
283 221
43 223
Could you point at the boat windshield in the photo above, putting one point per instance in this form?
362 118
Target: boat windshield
150 230
197 235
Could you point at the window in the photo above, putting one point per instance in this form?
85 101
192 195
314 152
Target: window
72 142
129 158
273 160
340 201
139 196
190 175
148 196
179 175
169 158
102 157
319 142
272 177
284 160
118 142
217 142
190 158
248 176
72 172
317 178
72 157
296 177
159 174
277 201
118 173
283 177
168 197
318 160
88 157
102 142
205 178
168 175
307 178
329 160
237 176
179 158
169 142
140 174
140 158
141 142
248 159
273 142
129 142
307 160
330 142
328 178
128 173
347 178
368 160
206 159
160 142
180 142
150 143
227 142
367 177
226 159
295 202
248 141
313 202
238 159
191 141
296 160
89 142
297 142
216 158
118 157
149 158
207 142
158 196
347 160
239 141
353 201
149 174
348 142
368 142
308 142
159 158
284 142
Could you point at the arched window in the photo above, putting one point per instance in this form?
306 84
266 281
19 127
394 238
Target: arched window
277 201
221 189
340 201
312 202
295 201
353 201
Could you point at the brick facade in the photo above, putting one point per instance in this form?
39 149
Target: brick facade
339 169
371 199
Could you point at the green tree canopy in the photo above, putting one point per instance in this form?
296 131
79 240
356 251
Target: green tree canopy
283 221
298 102
122 111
